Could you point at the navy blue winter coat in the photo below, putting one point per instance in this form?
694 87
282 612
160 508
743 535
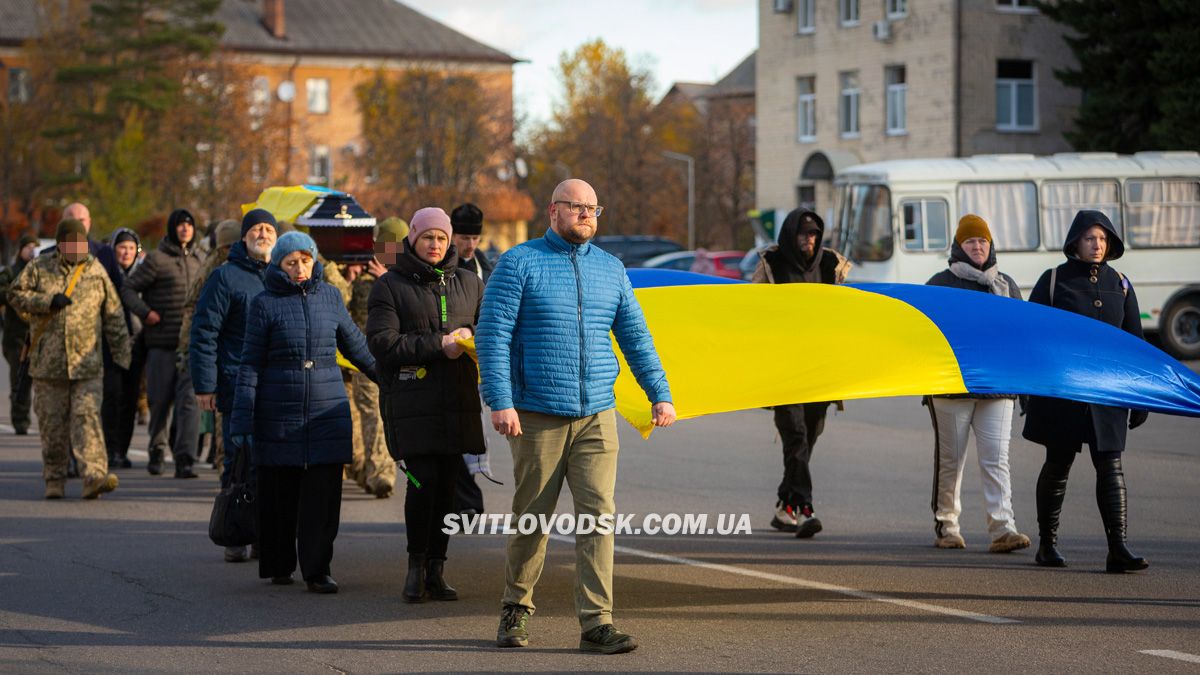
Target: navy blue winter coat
290 393
544 339
219 324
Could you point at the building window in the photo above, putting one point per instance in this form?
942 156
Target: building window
806 16
848 105
319 166
848 12
1023 6
897 9
806 109
926 224
897 98
1016 96
318 95
18 85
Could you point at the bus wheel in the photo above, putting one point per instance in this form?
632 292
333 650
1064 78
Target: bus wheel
1181 328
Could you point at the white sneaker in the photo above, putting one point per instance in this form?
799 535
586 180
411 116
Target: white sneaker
807 524
785 518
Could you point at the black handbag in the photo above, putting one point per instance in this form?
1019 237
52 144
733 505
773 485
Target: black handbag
234 520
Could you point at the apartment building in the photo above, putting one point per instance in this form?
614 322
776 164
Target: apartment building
842 82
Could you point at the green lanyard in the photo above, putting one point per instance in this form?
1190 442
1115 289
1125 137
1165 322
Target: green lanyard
442 295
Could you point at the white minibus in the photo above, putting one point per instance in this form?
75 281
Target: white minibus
896 220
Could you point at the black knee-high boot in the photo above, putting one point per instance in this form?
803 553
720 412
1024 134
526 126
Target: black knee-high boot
1110 497
1051 490
414 583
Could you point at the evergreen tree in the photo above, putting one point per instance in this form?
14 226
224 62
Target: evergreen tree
1176 66
1138 70
136 58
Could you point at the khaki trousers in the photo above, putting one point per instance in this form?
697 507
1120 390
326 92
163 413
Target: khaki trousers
68 413
583 451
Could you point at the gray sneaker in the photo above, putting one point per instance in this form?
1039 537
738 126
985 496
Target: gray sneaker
512 631
606 639
236 554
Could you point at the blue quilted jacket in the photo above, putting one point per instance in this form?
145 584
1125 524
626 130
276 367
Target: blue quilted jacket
290 394
543 337
219 324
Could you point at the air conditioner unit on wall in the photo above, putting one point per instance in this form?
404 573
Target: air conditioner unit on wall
882 30
783 6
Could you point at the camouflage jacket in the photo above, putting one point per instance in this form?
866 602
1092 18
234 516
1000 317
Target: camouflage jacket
215 259
69 346
359 292
334 277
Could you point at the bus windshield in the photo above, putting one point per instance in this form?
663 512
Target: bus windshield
866 223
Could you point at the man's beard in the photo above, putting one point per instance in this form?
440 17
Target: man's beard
261 251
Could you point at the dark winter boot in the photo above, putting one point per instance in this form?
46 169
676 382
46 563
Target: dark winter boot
435 585
1110 497
1051 490
155 466
414 583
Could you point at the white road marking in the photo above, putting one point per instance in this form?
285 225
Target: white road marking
1171 654
805 583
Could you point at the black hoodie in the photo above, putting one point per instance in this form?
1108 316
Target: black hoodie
788 263
161 284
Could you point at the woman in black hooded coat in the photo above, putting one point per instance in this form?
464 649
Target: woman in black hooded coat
1086 285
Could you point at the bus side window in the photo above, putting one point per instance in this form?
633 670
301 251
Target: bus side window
1061 200
1163 213
1010 208
926 226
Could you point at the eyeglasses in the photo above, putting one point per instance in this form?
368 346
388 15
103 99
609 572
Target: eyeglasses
580 209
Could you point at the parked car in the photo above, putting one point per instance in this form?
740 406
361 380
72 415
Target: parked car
749 263
726 262
635 249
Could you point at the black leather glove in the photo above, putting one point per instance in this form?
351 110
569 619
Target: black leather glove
59 301
1137 418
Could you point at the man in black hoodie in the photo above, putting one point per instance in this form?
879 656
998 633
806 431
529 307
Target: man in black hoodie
799 258
155 293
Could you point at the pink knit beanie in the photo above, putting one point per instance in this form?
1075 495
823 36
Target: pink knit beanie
428 218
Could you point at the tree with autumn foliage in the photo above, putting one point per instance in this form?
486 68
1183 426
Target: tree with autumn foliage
606 129
431 138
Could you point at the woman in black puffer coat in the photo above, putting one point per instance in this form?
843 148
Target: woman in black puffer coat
290 410
1086 285
429 396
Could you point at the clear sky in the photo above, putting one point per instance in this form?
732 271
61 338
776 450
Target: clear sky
677 40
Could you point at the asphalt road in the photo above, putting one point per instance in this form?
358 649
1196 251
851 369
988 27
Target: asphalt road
131 583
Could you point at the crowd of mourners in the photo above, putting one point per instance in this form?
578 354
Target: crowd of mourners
234 336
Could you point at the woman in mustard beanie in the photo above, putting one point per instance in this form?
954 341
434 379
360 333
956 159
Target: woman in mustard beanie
972 266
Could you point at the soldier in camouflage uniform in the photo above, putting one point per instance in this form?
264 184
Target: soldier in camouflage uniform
65 359
373 467
15 330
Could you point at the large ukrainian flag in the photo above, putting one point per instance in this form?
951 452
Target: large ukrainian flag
733 346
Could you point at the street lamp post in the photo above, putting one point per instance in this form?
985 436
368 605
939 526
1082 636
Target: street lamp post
691 187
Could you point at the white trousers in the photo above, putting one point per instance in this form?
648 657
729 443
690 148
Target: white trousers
953 419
